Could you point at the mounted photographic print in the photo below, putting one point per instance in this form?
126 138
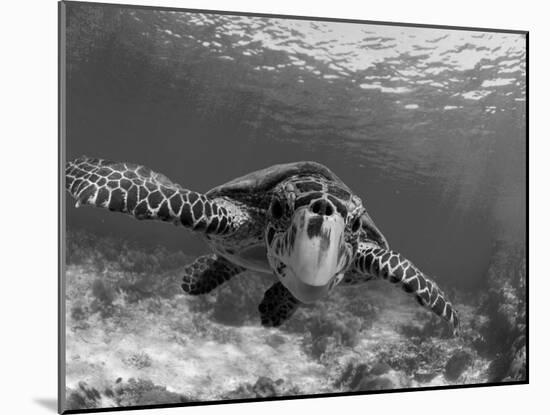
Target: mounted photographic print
262 207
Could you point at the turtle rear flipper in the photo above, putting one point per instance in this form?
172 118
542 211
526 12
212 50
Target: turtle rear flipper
208 272
277 306
144 194
372 261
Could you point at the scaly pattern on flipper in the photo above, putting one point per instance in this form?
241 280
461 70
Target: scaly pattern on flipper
373 261
140 192
208 272
277 306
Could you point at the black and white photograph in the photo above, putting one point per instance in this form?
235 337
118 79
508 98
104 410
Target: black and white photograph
260 207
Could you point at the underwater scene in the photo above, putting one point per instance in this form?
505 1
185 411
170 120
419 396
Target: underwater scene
427 126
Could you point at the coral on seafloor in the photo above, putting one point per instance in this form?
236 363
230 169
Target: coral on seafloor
457 364
135 338
379 376
121 393
264 387
502 336
138 360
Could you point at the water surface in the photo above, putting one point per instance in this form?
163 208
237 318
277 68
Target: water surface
427 126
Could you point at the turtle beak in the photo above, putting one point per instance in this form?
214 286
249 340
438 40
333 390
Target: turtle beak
314 254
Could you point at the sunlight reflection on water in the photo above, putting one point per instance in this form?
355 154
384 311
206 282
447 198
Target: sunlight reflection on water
426 125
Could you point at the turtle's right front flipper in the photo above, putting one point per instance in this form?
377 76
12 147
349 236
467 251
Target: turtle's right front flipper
144 194
372 261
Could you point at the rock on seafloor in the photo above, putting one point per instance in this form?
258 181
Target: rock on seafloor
457 364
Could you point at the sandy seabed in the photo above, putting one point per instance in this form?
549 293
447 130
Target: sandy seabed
135 338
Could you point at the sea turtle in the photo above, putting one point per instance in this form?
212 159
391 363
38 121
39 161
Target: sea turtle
298 221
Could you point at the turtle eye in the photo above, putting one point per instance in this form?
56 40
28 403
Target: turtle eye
277 209
356 224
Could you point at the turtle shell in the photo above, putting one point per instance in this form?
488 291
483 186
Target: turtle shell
264 180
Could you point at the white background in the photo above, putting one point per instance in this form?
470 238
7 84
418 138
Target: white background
28 230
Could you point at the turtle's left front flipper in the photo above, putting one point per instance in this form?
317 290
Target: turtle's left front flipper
144 194
373 261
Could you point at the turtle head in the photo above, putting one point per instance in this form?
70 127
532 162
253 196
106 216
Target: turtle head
312 233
